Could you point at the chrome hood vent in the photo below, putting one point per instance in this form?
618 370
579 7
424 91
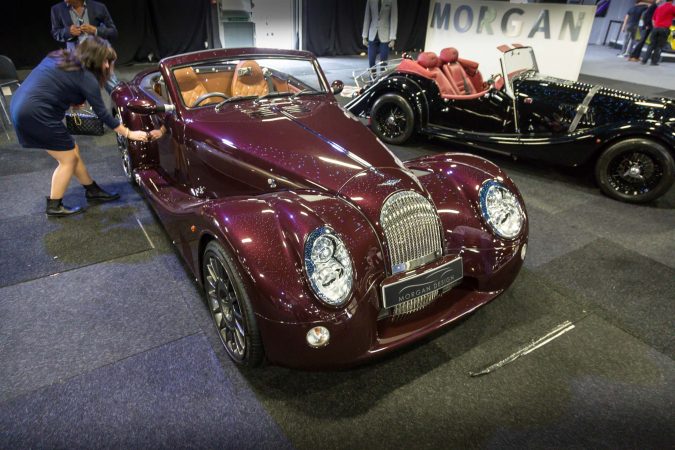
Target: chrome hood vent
267 111
413 232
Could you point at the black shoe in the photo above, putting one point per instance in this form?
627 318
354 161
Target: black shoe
95 193
56 208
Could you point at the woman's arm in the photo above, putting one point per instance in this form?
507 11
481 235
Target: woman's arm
92 93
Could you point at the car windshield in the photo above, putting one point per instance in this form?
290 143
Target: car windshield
519 62
234 80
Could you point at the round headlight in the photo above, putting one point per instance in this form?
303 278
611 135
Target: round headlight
328 266
501 209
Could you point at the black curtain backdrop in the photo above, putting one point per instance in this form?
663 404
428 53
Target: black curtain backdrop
25 29
333 27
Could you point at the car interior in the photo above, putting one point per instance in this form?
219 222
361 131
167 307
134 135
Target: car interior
243 78
456 78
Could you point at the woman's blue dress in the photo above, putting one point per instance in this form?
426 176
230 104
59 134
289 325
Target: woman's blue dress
40 104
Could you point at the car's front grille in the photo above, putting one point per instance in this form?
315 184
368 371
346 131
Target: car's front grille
413 232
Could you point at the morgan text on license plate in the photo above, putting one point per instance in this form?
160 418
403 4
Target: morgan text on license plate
423 283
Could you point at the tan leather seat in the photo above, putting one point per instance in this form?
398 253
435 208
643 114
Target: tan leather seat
249 80
455 73
190 86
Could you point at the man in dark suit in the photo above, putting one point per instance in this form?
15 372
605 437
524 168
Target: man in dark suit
75 20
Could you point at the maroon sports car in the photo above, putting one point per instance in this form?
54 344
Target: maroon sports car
315 245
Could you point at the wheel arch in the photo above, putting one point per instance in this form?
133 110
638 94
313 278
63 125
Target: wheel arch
267 240
641 133
407 87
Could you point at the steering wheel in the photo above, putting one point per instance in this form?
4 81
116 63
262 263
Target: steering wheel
203 97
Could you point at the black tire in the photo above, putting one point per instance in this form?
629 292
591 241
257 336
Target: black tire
635 170
125 154
392 119
230 306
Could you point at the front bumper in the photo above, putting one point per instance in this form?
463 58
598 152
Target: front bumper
358 336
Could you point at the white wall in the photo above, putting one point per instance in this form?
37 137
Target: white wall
274 23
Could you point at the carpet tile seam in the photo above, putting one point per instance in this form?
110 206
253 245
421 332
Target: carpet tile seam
593 309
78 268
93 369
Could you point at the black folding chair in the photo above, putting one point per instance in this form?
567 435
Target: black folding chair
8 78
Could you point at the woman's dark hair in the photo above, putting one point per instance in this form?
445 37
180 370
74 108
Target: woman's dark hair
90 54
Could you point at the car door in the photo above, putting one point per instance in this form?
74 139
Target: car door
491 113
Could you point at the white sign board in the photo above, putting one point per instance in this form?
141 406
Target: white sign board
558 33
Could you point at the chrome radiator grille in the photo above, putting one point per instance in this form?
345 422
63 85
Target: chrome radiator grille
412 229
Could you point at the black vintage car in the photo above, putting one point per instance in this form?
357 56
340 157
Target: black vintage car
629 138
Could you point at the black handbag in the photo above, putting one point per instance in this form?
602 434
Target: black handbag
83 121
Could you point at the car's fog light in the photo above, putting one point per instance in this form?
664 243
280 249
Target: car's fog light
523 251
318 337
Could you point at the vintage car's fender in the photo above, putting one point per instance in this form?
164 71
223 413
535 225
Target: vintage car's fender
403 85
652 129
267 235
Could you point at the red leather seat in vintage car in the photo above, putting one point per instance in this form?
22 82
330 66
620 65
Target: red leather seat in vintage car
190 86
430 61
249 79
455 73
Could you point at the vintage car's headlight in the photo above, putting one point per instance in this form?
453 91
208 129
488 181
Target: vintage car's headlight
328 266
501 209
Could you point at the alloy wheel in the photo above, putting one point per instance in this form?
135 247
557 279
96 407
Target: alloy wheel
225 308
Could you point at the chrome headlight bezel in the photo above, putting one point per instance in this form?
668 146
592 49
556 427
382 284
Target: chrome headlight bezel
320 256
508 200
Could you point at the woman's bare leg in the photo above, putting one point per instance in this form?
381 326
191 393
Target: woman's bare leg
64 171
81 172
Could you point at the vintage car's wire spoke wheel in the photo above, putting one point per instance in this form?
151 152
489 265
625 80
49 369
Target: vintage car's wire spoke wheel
635 170
230 307
393 119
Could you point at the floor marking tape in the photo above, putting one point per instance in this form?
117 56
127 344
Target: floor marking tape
548 337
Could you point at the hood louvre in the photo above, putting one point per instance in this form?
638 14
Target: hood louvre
267 111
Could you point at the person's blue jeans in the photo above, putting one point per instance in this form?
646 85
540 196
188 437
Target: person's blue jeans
375 47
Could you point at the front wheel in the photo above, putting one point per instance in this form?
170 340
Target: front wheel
230 306
635 170
392 119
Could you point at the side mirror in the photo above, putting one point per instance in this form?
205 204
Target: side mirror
337 86
141 106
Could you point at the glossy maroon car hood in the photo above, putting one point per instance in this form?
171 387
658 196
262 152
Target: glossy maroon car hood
310 141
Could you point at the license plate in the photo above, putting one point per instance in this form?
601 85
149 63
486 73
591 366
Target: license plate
429 281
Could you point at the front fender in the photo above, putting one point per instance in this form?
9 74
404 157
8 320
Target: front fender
659 131
267 235
453 180
408 86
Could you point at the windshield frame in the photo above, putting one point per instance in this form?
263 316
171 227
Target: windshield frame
176 92
509 74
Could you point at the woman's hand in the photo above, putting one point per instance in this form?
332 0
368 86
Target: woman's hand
156 134
138 136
